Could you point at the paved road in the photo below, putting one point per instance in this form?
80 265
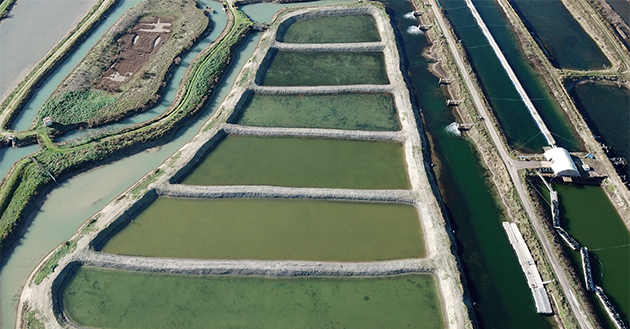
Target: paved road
494 134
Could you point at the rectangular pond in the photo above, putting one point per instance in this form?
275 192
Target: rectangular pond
116 299
302 162
272 229
560 36
375 112
332 29
325 68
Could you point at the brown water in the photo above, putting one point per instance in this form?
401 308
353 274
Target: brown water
302 162
272 229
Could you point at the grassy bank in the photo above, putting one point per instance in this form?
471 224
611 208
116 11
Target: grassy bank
19 188
83 98
5 6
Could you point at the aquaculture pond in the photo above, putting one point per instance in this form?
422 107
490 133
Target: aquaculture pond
560 36
494 280
117 299
520 130
272 229
325 68
605 108
589 216
332 29
340 111
302 162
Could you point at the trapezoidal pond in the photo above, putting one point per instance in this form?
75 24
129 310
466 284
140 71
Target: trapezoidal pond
374 112
117 299
272 229
325 69
302 162
331 29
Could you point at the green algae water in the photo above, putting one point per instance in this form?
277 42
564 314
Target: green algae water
303 162
325 69
333 29
589 216
561 37
272 229
516 122
494 280
117 299
375 112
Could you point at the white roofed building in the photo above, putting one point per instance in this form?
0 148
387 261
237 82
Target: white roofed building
561 162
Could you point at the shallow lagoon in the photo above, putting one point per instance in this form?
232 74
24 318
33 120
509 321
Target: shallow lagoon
272 229
334 29
302 162
374 112
325 69
117 299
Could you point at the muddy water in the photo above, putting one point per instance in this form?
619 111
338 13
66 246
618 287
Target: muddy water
9 155
560 35
110 299
87 193
354 28
494 278
26 116
272 229
302 162
325 69
375 112
35 25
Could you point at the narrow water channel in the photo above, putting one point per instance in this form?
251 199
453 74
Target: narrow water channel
495 281
516 122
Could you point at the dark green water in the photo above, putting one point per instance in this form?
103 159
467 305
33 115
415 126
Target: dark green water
115 299
601 229
561 37
622 7
375 112
495 281
606 110
518 126
303 162
325 69
272 229
341 29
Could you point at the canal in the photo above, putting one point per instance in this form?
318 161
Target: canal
494 278
519 128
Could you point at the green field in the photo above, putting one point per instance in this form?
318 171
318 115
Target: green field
116 299
302 162
333 29
323 69
374 112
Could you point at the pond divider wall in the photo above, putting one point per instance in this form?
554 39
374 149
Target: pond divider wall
241 130
275 192
124 219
